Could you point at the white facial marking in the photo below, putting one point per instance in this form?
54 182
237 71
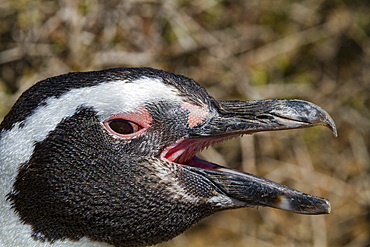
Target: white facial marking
178 192
17 144
173 186
221 200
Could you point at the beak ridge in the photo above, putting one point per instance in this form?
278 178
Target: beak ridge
248 117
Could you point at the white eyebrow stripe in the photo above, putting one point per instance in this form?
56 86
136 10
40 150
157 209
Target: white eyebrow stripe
106 98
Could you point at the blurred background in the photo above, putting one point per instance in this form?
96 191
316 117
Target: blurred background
314 50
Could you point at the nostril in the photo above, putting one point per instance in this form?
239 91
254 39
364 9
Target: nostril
264 117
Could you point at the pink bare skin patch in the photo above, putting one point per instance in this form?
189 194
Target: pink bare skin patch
140 117
197 113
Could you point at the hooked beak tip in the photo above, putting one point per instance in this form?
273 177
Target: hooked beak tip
329 122
322 118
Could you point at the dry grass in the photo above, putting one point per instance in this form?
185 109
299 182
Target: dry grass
314 50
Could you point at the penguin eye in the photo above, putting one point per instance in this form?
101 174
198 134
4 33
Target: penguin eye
124 127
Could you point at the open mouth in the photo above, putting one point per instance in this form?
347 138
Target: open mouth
243 187
183 151
238 118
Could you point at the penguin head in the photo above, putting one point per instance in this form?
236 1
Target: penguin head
109 156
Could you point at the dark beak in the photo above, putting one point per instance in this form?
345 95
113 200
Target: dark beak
248 117
238 117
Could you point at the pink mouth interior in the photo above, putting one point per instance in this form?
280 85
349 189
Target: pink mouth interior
183 152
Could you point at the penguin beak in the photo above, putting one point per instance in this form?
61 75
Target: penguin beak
236 118
250 190
248 117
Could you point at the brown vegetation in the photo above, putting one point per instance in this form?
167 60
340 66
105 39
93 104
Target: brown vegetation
314 50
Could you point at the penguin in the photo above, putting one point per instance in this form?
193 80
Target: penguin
108 158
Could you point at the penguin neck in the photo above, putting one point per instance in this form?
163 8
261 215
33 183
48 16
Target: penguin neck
13 232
